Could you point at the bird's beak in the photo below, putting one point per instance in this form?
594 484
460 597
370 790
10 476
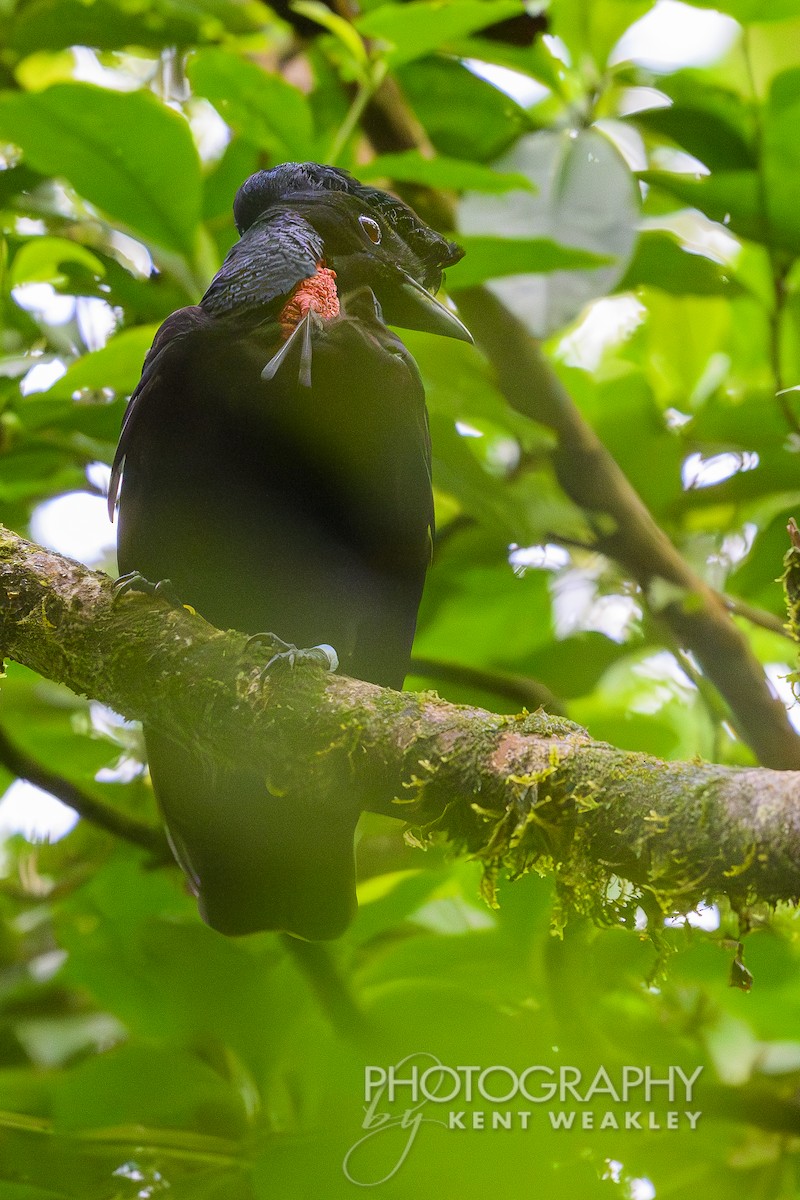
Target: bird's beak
413 307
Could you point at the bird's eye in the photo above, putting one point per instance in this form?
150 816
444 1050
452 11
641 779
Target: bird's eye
371 228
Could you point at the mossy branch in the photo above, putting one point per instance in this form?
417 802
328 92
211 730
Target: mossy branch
518 793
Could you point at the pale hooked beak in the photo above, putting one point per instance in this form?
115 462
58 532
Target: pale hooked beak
413 307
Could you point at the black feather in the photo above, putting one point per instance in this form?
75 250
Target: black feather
286 490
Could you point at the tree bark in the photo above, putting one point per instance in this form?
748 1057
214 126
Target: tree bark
519 793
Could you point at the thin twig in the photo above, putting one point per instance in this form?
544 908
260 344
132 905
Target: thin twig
366 90
317 966
315 962
592 478
627 532
96 811
521 689
756 616
778 268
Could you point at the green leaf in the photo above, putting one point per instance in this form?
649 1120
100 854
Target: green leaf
409 166
387 900
736 199
661 262
151 962
678 726
594 29
262 107
755 576
44 720
117 366
537 60
757 199
41 260
461 386
782 154
475 610
416 29
587 200
748 11
574 665
125 152
241 158
706 135
494 257
28 1191
477 121
460 473
142 1085
341 29
110 25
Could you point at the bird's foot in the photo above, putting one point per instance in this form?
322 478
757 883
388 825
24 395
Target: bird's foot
288 655
133 581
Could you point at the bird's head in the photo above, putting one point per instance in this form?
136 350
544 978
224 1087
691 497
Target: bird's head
368 237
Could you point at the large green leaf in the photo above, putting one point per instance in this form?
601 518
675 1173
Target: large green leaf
537 60
574 665
782 153
414 30
461 386
151 962
410 166
125 152
41 260
109 25
26 1191
496 257
661 262
259 105
706 135
464 116
586 199
145 1085
476 610
117 366
760 201
594 29
734 198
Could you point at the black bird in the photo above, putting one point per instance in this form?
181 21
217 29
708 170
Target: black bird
274 466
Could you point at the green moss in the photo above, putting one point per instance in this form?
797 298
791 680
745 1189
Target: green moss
542 724
791 591
553 821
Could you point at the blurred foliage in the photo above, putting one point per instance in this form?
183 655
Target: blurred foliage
646 222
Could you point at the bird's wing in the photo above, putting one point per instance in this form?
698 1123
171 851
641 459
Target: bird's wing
275 254
172 334
261 270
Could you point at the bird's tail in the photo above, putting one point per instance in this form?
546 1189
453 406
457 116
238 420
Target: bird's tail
254 860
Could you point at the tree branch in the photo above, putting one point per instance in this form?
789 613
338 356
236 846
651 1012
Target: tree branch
626 531
590 476
103 815
516 792
521 689
756 616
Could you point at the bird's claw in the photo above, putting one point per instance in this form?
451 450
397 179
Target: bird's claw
288 655
135 582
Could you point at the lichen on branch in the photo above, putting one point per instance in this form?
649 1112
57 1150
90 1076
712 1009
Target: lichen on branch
519 793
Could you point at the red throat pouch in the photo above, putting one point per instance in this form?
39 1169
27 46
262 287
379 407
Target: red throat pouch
317 292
